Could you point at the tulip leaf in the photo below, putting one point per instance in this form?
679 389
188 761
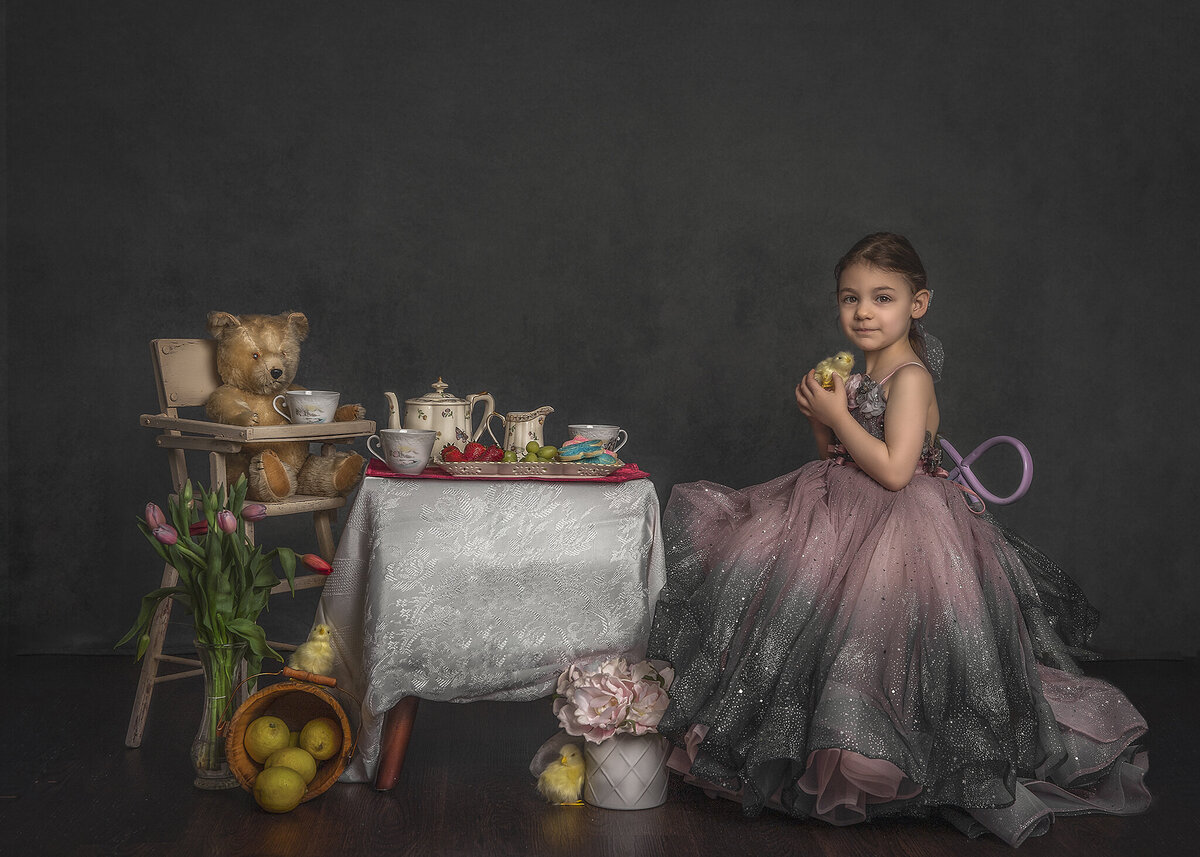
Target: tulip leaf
287 559
255 636
149 603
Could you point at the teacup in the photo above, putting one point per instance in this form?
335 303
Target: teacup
405 451
608 435
308 406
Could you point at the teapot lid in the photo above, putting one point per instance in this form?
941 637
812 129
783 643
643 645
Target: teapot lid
438 397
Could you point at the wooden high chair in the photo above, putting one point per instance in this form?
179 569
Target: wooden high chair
185 371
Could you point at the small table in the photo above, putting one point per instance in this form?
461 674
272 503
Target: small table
470 589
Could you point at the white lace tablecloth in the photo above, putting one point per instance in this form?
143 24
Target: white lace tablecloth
466 590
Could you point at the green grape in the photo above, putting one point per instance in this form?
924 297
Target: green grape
531 456
532 446
509 455
547 452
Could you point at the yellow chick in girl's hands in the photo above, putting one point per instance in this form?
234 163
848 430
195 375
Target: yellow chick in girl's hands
562 781
841 363
315 655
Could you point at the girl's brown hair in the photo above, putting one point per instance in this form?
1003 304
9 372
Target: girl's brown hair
890 252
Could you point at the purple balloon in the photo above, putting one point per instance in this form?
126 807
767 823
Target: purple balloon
963 475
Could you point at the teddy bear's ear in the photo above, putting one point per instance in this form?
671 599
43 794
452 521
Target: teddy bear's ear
299 323
219 322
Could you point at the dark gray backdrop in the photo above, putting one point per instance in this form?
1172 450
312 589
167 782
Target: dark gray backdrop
628 211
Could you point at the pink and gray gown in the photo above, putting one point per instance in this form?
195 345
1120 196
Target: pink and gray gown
848 652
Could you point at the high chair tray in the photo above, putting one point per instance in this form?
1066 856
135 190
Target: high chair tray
259 434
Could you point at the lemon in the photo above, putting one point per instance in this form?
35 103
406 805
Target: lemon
322 737
293 739
296 758
264 736
279 789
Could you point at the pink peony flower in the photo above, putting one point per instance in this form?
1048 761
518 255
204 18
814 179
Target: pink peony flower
647 707
616 667
600 698
596 707
567 678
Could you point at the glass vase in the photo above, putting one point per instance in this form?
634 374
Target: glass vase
220 663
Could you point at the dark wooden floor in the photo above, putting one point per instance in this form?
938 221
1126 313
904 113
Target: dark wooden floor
69 786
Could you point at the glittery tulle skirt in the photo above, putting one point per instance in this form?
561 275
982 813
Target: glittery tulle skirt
848 652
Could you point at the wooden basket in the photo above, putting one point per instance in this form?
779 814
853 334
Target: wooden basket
295 702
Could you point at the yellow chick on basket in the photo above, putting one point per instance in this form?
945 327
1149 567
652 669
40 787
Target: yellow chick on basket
315 655
841 363
562 781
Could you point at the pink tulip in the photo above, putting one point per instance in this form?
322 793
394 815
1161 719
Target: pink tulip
226 521
254 511
316 563
198 529
165 534
154 516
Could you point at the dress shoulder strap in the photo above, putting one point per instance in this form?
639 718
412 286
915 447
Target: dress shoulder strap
897 369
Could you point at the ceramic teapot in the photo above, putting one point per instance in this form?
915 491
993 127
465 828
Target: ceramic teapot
520 427
442 412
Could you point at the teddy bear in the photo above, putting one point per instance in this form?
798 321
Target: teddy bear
257 358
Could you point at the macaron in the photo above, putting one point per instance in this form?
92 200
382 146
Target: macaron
578 448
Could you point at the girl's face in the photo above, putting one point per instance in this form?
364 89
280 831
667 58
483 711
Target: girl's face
875 307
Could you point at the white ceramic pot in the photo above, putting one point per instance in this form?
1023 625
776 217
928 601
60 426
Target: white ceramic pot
520 428
443 413
626 771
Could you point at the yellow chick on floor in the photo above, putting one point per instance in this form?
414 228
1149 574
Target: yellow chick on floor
841 363
562 781
315 655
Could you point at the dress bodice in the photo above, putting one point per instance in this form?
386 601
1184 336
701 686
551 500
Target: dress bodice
868 406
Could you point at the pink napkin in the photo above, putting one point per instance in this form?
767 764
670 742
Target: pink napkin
624 473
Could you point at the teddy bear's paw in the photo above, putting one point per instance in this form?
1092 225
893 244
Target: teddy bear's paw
348 473
245 418
269 478
346 413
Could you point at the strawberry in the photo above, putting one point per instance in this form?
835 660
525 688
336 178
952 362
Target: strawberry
473 451
493 453
450 452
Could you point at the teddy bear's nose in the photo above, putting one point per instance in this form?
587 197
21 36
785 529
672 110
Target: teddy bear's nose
276 373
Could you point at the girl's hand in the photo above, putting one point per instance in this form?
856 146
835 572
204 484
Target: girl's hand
819 404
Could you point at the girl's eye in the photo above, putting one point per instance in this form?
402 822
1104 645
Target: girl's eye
885 299
255 355
849 299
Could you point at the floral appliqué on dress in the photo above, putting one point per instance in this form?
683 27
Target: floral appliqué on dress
867 404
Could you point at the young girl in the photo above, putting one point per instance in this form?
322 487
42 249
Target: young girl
854 640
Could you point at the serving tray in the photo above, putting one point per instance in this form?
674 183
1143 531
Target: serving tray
525 469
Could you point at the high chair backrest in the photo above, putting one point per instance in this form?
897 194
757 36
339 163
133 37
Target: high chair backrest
185 371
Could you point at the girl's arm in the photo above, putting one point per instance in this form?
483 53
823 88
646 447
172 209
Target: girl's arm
822 433
892 461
